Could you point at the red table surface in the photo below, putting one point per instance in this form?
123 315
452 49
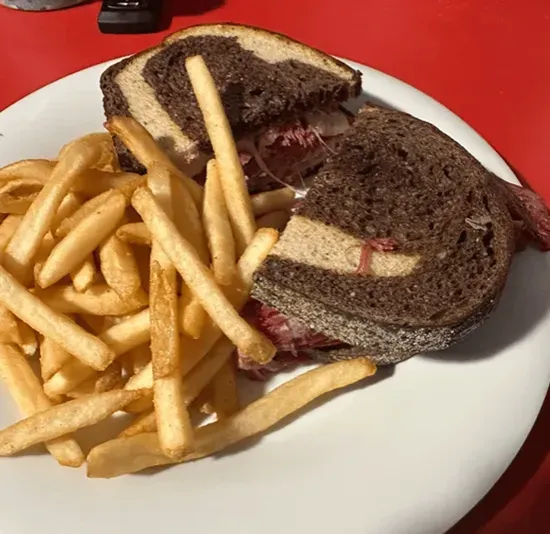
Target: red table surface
487 60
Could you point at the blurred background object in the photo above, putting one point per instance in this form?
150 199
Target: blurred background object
130 16
40 5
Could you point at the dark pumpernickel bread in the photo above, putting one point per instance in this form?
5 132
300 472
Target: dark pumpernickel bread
395 177
255 93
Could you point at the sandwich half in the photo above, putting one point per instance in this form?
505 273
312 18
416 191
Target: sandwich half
401 246
282 99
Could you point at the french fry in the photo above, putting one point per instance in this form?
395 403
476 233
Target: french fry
52 358
195 349
274 219
68 378
134 234
83 277
70 203
131 454
98 300
7 229
217 228
85 211
278 199
20 187
135 331
48 244
113 320
52 324
16 206
9 328
143 260
93 182
16 196
195 377
187 220
140 143
27 392
192 316
100 141
145 422
172 418
200 280
139 357
29 342
82 240
142 404
225 395
90 182
38 219
163 274
202 374
159 181
62 419
120 338
107 380
30 169
126 455
128 334
119 267
231 171
194 382
174 424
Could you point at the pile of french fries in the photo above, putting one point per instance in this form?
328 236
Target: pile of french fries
129 289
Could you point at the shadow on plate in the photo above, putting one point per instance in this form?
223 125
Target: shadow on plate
36 450
523 304
255 389
106 430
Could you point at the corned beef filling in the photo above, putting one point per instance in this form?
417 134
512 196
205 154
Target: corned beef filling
293 339
530 214
280 154
386 244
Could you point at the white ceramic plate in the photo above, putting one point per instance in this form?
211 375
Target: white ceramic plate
409 453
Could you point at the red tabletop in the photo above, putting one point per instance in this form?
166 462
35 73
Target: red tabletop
487 60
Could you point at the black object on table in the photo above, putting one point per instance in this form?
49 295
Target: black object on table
129 16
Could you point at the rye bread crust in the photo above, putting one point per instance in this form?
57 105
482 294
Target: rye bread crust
397 177
114 104
383 344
